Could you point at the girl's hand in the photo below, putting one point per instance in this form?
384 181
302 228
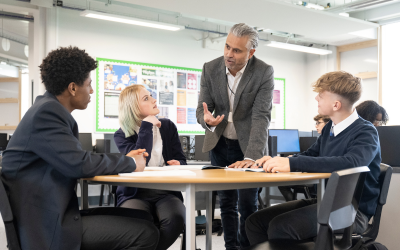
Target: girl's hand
173 162
152 119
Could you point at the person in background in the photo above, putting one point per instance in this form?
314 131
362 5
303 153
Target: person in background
141 129
44 159
286 191
347 141
320 122
372 112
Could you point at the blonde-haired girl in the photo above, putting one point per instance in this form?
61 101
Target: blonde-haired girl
141 129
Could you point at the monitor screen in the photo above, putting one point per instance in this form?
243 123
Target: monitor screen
86 141
288 140
3 141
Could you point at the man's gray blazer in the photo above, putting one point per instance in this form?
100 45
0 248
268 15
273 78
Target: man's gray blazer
251 109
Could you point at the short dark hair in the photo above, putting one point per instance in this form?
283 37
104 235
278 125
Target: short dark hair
325 118
63 66
368 110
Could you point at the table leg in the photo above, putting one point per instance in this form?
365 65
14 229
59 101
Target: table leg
320 193
84 194
190 216
209 213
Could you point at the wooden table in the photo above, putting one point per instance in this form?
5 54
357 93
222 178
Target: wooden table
207 180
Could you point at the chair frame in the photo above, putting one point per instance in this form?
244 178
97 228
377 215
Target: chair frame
8 219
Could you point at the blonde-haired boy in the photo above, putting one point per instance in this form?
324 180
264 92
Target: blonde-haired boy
346 141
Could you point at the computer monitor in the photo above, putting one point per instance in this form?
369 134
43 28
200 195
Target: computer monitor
113 146
288 140
315 133
307 142
86 141
198 149
3 141
305 133
389 137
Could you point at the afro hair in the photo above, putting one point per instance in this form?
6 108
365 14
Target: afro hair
63 66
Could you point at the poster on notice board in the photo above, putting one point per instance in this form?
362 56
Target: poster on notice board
176 89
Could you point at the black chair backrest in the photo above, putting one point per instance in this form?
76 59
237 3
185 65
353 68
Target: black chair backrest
384 182
339 206
8 219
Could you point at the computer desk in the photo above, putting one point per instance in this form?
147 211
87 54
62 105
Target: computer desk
206 180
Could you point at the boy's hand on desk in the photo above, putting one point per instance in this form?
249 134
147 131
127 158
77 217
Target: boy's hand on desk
242 164
140 158
138 152
277 164
173 162
259 163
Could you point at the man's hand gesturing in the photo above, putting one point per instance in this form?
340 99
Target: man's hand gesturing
209 119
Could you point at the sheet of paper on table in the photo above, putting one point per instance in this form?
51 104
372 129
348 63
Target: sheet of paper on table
174 167
260 170
159 173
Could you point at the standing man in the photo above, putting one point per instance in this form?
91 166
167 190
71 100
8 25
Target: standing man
235 109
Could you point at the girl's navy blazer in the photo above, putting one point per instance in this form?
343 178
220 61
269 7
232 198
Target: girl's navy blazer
172 150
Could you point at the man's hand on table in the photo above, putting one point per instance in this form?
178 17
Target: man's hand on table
242 164
140 158
173 162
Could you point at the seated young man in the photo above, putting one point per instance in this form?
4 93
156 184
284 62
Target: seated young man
44 159
347 141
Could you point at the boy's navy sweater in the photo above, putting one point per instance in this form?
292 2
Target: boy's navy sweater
356 146
172 150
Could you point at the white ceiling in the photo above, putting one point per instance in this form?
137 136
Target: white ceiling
315 25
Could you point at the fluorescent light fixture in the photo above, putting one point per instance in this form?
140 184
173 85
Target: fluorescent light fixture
2 62
370 61
344 14
314 6
131 20
299 48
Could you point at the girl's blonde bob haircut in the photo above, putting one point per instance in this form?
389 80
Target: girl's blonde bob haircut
128 109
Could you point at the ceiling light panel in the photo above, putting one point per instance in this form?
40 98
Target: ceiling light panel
131 20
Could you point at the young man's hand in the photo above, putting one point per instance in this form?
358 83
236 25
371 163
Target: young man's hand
140 158
209 118
260 162
277 164
173 162
242 164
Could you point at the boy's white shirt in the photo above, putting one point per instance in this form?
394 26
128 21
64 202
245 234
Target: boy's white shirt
338 128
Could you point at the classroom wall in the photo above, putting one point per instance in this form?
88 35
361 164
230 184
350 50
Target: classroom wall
126 42
354 62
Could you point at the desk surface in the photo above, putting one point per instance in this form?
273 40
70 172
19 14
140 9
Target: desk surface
215 176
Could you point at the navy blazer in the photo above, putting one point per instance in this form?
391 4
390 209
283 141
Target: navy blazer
41 165
172 150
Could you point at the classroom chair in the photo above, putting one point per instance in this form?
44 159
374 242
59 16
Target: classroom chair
8 219
384 183
343 192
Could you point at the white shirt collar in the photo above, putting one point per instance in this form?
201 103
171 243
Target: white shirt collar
338 128
241 71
